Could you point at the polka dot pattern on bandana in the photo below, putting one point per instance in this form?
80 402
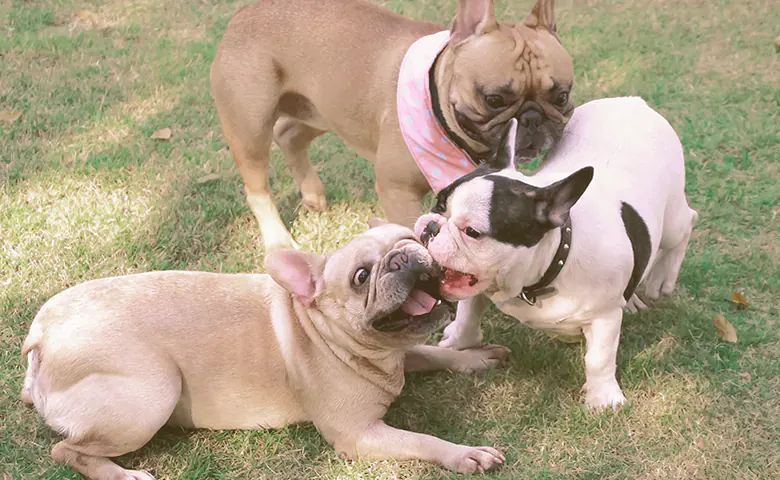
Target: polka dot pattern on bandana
438 158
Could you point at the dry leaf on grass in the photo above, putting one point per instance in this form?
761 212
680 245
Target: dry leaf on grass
739 300
92 18
207 178
9 116
162 134
724 329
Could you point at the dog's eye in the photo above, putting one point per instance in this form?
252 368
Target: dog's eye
472 232
562 99
360 277
495 101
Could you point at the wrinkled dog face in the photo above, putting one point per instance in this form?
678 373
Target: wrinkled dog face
485 226
491 73
385 282
382 288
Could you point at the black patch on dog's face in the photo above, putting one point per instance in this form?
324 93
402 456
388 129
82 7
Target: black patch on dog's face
513 217
521 214
637 232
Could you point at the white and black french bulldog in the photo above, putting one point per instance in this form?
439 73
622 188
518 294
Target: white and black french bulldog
565 249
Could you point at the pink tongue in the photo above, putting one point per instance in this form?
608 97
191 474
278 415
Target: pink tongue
455 279
418 303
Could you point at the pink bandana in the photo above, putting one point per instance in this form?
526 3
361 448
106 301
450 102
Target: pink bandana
439 159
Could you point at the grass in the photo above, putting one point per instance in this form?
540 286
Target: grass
85 193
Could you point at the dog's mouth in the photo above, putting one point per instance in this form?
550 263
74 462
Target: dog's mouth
423 311
458 285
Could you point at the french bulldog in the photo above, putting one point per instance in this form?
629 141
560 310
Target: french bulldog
323 339
290 70
564 250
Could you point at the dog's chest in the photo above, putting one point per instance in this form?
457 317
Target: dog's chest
560 314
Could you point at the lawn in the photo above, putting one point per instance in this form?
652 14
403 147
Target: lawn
86 193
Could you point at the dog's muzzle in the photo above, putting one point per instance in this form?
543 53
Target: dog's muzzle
424 309
431 230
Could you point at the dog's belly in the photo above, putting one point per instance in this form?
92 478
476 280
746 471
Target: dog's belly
238 410
556 315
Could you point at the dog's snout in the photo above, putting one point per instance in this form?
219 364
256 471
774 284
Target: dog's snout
531 119
407 262
430 231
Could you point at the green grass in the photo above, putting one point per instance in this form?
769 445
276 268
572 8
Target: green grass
85 193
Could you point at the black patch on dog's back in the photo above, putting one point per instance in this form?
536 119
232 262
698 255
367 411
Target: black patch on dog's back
512 215
637 232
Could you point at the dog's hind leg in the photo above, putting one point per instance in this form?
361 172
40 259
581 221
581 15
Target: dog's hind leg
33 364
294 138
94 467
399 184
662 277
247 101
107 415
635 304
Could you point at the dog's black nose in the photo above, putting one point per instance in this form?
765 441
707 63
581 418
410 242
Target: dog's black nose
404 261
431 230
531 119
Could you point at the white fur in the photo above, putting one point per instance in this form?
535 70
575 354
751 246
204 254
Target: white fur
637 159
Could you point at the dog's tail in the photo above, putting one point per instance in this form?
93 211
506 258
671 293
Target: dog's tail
30 350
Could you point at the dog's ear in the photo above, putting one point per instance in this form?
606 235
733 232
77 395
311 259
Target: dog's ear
474 17
543 16
376 222
553 202
297 272
504 159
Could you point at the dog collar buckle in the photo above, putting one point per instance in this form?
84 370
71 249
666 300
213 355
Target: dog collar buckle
530 294
529 300
531 297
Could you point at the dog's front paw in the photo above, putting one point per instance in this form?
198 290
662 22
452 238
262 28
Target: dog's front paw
482 358
474 459
459 338
599 397
137 475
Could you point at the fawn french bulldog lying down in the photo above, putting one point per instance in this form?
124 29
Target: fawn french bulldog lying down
565 250
323 339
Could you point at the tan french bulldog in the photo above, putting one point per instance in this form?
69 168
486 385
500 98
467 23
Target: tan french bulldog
291 70
322 339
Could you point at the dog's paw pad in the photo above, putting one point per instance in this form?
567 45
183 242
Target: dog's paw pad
477 459
604 398
137 475
635 304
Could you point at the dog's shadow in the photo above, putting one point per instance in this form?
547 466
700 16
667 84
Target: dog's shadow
541 379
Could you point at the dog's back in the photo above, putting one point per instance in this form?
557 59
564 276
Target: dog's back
635 152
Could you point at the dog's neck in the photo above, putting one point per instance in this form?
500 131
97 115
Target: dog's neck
382 366
439 81
528 271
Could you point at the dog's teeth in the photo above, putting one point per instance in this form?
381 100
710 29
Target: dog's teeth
438 302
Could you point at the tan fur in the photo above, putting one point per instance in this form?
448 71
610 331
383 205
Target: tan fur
113 360
290 70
